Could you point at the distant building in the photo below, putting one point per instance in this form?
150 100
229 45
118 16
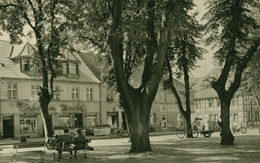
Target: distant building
243 109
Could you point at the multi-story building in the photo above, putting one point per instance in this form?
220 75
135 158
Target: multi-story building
81 99
75 103
243 109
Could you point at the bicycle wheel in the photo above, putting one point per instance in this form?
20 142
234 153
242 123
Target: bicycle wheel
180 133
243 130
50 144
112 133
195 133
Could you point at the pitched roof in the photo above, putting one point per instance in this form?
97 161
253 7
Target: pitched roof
206 93
10 69
95 65
26 49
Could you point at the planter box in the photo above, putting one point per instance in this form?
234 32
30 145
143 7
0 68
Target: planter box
101 131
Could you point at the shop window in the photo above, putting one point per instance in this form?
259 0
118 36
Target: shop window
64 121
75 93
28 125
12 90
110 95
164 121
35 90
89 94
91 121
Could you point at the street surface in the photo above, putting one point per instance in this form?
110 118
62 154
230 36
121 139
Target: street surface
166 148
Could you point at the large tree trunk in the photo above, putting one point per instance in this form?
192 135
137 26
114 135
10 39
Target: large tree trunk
189 126
226 136
44 96
139 127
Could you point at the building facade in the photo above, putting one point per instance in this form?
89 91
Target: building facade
80 100
243 110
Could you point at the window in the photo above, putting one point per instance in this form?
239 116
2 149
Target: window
218 103
57 93
211 103
110 95
216 117
164 121
72 68
152 118
162 97
28 125
64 121
35 90
235 117
64 70
91 121
213 117
12 91
198 104
25 65
75 93
89 94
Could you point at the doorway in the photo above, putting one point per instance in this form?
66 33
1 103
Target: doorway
8 127
78 120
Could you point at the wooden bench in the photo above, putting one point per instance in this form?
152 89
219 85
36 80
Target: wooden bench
18 146
65 147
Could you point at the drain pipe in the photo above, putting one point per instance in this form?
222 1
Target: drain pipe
100 107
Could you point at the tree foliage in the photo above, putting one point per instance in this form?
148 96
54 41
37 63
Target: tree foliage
183 53
230 26
50 30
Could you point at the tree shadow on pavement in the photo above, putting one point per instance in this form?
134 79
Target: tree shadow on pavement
246 149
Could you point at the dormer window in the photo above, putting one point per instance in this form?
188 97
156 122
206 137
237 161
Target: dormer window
70 69
25 65
64 68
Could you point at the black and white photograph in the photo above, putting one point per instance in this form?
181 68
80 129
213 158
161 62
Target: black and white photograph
129 81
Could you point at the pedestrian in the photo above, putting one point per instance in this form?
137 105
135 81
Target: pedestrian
78 142
63 138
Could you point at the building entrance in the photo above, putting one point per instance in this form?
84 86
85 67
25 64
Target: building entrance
8 127
78 120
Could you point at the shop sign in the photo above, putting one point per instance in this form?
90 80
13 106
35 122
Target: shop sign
164 109
25 107
78 107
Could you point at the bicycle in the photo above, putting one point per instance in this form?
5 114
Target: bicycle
241 129
195 132
181 133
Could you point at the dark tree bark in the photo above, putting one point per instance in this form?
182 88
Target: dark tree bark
138 101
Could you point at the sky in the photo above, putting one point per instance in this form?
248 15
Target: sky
204 66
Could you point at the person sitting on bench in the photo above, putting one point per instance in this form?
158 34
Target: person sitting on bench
63 138
79 142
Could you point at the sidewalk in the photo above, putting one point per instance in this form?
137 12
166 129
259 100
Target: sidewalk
40 140
166 148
